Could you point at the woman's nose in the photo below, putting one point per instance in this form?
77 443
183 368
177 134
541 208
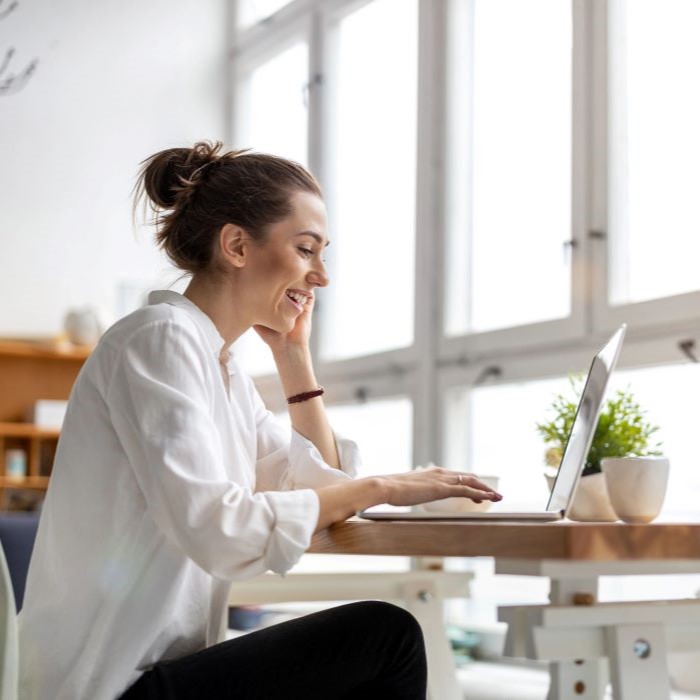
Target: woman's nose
319 275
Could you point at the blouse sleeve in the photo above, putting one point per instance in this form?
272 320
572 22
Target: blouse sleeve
287 461
160 408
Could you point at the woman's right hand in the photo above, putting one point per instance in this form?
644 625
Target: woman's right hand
434 483
340 501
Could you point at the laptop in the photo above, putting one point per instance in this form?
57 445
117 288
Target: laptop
577 446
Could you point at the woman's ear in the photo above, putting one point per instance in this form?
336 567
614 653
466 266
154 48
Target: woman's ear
233 243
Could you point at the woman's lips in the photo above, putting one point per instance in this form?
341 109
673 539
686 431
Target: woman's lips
298 307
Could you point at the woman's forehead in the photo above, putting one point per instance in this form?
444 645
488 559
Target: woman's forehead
307 218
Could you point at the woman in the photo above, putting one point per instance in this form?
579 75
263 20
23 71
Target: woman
171 479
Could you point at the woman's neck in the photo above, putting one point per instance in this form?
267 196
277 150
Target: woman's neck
219 301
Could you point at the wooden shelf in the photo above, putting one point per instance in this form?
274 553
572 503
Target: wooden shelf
27 430
45 348
32 369
29 482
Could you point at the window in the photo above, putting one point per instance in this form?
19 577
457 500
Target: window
372 182
500 422
654 149
534 162
369 424
279 87
252 11
510 195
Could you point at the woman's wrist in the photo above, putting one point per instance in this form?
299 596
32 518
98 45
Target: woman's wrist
292 354
341 501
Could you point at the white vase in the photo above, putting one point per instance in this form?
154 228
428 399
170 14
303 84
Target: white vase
84 326
591 501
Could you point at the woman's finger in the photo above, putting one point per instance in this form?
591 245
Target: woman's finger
472 481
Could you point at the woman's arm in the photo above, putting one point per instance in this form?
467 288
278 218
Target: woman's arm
308 417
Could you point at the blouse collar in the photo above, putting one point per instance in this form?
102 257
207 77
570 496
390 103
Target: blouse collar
211 333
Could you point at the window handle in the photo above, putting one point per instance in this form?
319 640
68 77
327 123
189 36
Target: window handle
307 87
687 347
569 246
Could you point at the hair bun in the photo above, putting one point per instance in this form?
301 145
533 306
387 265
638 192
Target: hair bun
170 177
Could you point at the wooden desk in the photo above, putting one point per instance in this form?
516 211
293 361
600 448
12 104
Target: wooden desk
562 540
585 641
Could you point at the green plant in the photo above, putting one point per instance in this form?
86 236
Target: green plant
622 430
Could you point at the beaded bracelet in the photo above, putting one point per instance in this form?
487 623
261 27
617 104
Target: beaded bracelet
306 395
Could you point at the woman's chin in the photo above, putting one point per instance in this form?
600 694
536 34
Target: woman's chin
282 326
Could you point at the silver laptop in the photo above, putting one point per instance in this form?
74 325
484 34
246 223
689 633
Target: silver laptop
573 460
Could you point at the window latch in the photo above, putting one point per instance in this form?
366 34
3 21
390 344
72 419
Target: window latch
687 347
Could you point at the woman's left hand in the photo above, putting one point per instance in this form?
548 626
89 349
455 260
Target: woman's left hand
298 337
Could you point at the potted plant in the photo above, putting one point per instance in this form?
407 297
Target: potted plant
622 431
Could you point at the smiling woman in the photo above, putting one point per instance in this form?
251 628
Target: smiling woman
172 479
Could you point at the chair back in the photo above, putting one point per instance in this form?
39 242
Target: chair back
9 656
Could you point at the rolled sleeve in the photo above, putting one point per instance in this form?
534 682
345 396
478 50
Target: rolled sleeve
296 514
159 404
307 469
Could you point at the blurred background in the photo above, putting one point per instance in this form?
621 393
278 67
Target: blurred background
507 181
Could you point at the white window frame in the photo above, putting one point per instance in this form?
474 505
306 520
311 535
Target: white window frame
244 62
540 334
662 315
434 363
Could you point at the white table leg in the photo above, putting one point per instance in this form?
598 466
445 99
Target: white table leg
584 679
576 680
426 605
638 666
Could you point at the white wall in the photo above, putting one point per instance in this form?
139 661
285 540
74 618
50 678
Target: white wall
115 83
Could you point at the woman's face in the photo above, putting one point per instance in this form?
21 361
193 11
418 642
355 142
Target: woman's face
282 273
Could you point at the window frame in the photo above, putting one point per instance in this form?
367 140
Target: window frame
660 315
434 363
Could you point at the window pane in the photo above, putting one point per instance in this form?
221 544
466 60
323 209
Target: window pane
274 87
502 439
516 199
654 149
278 87
252 11
370 299
383 430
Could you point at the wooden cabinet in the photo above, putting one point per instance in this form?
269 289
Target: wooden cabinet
32 370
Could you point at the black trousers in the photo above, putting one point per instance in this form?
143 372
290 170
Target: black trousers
361 650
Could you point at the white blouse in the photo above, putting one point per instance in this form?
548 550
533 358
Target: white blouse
164 490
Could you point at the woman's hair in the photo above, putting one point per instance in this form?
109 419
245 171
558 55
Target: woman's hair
195 191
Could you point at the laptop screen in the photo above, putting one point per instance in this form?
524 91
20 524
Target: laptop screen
585 423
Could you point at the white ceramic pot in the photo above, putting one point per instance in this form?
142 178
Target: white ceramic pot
637 486
591 501
85 326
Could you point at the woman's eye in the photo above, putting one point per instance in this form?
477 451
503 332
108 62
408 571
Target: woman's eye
306 251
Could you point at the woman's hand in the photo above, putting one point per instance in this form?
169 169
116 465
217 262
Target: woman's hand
340 501
435 483
297 337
